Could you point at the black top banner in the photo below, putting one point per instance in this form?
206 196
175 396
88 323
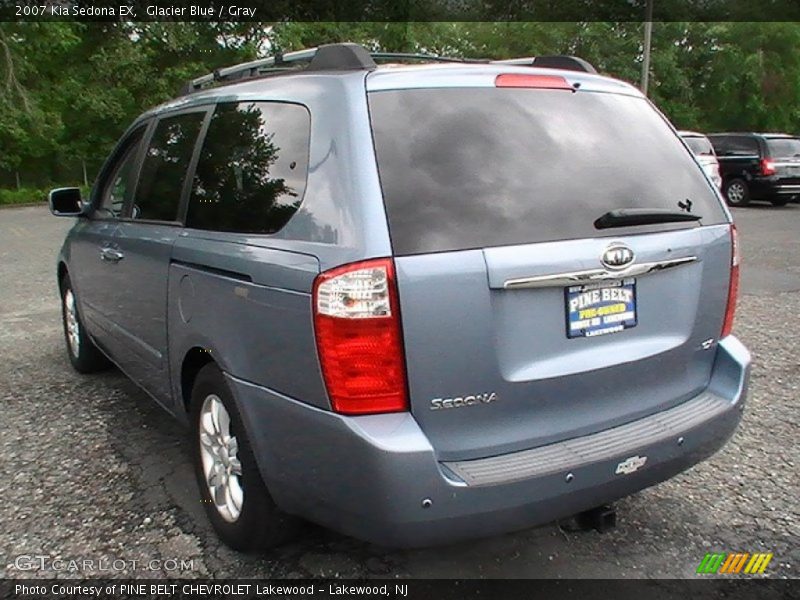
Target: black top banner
399 10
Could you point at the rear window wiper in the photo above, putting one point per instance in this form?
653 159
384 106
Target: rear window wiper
625 217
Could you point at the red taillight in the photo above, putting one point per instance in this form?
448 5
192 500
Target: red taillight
767 166
357 325
733 286
520 80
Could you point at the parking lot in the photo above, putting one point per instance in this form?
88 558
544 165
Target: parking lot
93 470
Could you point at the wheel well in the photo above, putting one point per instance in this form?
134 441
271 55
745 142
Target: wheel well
195 359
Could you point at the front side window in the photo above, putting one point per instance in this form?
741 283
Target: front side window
118 187
252 169
164 168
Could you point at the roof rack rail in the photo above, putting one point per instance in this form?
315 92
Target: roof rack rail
567 63
331 57
423 57
347 56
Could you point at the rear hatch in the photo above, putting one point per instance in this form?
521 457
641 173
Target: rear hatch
492 196
784 153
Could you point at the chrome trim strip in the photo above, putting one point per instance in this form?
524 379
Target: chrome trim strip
593 275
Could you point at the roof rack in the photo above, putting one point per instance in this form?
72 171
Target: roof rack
423 57
566 63
331 57
347 56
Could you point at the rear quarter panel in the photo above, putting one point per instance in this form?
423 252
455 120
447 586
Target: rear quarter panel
250 308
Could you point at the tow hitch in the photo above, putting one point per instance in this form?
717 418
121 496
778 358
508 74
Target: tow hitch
600 518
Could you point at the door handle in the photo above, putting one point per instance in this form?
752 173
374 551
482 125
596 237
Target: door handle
111 255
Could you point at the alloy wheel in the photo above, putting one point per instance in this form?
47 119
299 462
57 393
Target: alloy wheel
73 327
736 193
219 454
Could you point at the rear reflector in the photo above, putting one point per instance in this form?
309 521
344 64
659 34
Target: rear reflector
733 286
520 80
357 326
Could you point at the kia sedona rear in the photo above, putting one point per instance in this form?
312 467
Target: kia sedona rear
447 301
566 280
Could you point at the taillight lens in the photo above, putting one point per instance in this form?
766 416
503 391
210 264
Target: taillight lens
521 80
767 166
733 287
357 325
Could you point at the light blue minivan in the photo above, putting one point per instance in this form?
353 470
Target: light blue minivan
416 302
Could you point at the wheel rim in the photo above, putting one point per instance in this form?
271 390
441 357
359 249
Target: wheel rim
219 452
73 328
736 193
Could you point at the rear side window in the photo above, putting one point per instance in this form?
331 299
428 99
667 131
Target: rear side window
472 168
699 145
164 168
252 170
783 147
737 146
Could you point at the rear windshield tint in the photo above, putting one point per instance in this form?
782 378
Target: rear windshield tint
481 167
783 147
699 145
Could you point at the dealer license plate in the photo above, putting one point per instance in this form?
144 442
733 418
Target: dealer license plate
600 308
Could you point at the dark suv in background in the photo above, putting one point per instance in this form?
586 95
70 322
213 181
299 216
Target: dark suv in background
758 166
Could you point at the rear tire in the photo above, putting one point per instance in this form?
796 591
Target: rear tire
737 193
84 356
233 493
779 202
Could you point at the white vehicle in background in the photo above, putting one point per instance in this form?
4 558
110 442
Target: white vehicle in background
704 151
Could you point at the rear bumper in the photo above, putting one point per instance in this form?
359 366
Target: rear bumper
371 477
765 188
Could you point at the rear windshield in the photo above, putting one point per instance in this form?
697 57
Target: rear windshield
699 145
783 147
480 167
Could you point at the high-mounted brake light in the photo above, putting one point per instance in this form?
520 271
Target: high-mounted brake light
767 166
357 326
733 286
521 80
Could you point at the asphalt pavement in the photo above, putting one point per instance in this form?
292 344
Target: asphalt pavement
97 479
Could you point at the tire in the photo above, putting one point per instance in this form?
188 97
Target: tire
254 522
736 192
779 202
84 356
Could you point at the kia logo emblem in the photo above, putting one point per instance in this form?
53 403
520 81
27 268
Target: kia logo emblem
617 256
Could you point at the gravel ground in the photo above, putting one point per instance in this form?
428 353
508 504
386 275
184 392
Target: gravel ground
93 470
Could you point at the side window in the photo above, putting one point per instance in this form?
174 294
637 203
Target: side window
743 146
118 186
251 174
721 145
164 167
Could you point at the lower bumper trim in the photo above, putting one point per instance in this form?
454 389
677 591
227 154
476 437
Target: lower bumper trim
578 452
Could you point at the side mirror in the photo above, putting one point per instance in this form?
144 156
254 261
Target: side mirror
66 202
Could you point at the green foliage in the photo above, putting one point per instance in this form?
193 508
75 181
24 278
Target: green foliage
22 196
32 195
69 90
